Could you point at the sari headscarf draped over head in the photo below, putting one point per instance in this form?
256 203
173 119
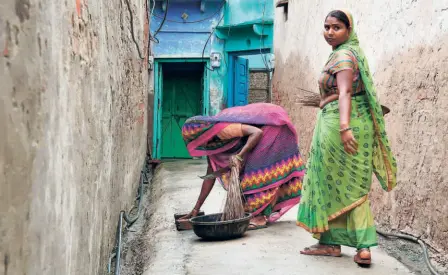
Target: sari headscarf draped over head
384 163
271 179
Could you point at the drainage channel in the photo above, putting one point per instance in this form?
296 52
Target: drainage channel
128 219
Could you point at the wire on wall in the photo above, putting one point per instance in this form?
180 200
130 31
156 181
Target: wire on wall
262 40
149 15
131 19
208 39
153 37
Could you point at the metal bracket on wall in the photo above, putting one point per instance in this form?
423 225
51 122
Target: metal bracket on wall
150 62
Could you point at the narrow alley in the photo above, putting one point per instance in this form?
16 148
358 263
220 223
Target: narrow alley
274 250
320 118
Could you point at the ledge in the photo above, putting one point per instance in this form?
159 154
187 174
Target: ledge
256 26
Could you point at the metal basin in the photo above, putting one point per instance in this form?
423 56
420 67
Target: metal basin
210 227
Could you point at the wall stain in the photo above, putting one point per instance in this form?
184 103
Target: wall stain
6 263
78 7
23 10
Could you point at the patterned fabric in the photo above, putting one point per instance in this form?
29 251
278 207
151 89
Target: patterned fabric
384 163
355 229
335 192
271 179
336 183
342 60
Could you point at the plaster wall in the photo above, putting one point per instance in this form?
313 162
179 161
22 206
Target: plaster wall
406 43
73 120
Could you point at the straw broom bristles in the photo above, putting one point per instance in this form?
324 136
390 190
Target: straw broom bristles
234 206
308 98
311 99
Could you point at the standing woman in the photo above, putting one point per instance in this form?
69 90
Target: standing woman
349 145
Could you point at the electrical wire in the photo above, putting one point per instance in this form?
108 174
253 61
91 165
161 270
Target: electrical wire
415 240
228 35
153 37
131 19
153 7
208 39
263 57
149 15
196 21
116 252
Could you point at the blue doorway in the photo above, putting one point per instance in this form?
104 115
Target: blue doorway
239 76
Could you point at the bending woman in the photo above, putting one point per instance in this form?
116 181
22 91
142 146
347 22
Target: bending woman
263 139
349 145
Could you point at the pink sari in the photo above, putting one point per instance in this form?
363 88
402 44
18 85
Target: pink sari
271 178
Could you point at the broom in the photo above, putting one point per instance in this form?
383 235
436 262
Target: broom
311 99
308 98
234 206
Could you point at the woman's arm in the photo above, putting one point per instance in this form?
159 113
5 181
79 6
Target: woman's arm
328 99
345 81
207 186
254 135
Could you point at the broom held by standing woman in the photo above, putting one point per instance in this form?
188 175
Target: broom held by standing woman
264 143
349 145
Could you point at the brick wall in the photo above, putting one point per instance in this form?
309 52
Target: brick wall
259 87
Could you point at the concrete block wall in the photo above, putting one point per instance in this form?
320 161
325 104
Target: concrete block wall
73 120
406 43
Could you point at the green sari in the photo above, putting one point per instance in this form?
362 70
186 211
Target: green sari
334 202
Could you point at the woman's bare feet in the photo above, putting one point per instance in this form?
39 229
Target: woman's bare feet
322 250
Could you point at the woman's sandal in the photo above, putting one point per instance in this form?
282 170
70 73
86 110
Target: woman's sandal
322 250
363 257
254 226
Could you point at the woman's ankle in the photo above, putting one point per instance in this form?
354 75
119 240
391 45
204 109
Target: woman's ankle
260 219
337 246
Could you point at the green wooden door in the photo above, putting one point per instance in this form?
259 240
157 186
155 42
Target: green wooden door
181 100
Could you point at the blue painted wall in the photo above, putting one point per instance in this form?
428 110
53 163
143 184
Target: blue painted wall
239 15
243 11
180 40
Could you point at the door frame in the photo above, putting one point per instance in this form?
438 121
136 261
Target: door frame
230 57
158 98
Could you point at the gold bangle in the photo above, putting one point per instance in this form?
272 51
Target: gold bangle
239 158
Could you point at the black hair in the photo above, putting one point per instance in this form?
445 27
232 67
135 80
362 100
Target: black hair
341 16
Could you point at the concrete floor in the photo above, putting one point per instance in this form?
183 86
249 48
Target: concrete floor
274 250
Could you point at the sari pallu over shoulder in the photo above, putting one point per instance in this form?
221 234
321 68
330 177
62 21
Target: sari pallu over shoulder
384 162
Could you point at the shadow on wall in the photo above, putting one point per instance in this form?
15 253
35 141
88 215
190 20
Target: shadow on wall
414 84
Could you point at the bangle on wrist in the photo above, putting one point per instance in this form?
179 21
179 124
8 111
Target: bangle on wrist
239 158
345 129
